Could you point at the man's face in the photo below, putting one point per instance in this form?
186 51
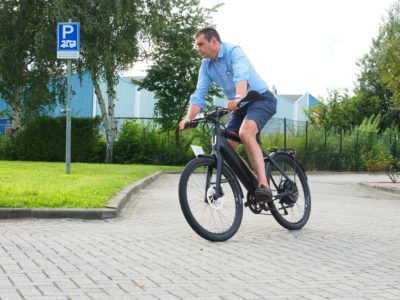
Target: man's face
207 49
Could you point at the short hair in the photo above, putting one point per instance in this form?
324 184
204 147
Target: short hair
209 33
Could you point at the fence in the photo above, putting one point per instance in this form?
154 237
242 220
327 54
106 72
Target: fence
317 147
322 147
326 148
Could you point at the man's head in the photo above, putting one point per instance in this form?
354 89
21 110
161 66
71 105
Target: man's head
208 42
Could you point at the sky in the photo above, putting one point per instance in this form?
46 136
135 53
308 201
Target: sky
302 46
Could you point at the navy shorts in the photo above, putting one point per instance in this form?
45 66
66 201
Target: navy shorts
260 111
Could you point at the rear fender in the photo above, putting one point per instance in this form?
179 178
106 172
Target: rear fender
283 152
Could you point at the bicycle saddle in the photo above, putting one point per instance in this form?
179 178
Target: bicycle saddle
250 96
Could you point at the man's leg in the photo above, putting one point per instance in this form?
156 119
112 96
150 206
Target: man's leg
247 133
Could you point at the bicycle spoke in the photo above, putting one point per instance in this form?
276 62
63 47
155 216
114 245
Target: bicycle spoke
291 201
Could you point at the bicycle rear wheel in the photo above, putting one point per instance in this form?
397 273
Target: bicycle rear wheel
291 207
213 219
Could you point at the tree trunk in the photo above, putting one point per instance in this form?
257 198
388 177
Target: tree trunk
106 119
16 110
180 116
112 125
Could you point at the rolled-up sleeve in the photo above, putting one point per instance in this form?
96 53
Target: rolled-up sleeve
203 84
240 65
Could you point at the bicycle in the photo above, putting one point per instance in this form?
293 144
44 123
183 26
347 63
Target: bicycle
211 196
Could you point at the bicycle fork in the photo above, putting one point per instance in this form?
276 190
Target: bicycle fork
219 161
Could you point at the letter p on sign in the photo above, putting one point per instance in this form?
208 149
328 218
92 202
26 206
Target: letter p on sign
67 29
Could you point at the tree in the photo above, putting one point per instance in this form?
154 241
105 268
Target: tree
390 57
377 90
30 75
109 44
337 109
173 73
378 84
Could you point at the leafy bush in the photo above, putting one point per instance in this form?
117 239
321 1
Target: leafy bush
383 162
138 143
44 140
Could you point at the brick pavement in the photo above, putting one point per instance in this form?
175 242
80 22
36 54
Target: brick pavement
349 249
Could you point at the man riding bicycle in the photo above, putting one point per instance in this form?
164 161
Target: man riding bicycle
228 67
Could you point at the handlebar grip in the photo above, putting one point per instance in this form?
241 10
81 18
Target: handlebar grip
191 124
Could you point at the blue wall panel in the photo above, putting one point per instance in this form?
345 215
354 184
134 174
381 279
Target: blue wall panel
284 108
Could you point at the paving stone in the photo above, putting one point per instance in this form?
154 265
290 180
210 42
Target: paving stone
348 250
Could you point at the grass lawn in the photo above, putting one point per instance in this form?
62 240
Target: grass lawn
44 184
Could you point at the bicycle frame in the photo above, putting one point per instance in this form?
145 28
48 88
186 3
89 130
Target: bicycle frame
223 151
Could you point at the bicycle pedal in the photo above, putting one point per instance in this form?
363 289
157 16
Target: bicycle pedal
246 204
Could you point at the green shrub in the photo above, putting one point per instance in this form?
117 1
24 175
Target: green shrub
44 140
138 143
383 162
328 148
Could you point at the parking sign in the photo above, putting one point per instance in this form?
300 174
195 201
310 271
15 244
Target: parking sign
68 40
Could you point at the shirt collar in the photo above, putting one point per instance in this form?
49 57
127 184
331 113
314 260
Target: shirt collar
220 54
221 51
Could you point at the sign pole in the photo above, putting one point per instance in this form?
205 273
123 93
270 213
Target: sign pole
68 48
68 120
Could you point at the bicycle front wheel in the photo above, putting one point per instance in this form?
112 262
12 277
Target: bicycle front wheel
213 218
291 207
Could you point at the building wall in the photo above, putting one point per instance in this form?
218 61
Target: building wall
124 101
301 104
134 103
284 108
82 94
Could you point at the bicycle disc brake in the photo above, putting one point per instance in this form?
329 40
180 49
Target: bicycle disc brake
216 203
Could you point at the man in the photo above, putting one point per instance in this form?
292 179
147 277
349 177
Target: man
228 67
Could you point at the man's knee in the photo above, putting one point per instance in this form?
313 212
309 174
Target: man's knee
248 131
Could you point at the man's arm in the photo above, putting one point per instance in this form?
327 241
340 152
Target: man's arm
241 90
192 113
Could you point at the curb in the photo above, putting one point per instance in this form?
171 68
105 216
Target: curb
388 189
111 210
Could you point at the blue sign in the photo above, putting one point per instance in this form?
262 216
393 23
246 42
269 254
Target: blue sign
68 40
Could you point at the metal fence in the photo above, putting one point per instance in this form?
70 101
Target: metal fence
328 148
321 147
317 147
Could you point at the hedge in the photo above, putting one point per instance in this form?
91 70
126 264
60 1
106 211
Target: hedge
44 140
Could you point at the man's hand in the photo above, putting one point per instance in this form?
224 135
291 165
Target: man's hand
183 123
231 105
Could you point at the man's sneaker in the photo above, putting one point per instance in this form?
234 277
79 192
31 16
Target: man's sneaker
263 193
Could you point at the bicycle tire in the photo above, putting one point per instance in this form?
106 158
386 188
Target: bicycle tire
284 210
196 190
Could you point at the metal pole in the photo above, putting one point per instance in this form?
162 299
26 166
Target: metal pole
284 132
68 120
306 156
324 166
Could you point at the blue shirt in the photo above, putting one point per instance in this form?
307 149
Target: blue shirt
230 67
